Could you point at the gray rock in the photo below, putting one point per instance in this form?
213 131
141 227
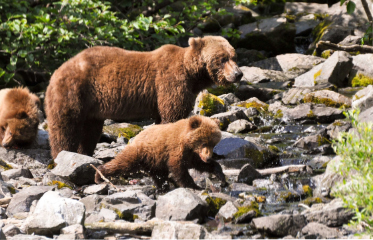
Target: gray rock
307 79
320 231
251 112
108 215
93 218
207 104
228 117
351 40
305 25
50 179
130 205
241 126
332 214
280 225
16 173
258 75
227 211
242 187
361 66
335 33
75 167
168 206
245 91
106 154
298 7
27 237
229 98
267 184
363 99
277 108
65 192
295 95
41 141
246 217
92 202
21 202
318 113
248 174
76 230
335 69
53 213
248 56
333 130
97 189
10 230
319 162
367 115
329 98
239 148
311 142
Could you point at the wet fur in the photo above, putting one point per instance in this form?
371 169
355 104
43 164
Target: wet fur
170 148
112 83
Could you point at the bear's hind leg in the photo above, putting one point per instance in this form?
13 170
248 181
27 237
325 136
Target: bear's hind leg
91 132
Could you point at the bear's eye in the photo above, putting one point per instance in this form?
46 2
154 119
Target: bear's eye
224 60
3 128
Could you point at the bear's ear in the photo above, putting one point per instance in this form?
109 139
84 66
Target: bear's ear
195 122
217 121
196 43
21 114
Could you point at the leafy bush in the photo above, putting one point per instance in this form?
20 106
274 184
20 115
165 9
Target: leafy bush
356 151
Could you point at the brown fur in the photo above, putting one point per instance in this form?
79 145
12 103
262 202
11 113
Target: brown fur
170 148
109 82
18 117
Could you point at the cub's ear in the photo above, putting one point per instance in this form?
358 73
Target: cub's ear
195 122
217 121
196 43
36 100
21 114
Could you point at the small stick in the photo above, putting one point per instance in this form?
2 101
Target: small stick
105 179
303 205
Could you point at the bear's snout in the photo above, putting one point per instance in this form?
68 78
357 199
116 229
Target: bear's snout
238 74
206 154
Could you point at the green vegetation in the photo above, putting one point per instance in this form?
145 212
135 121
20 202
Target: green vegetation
318 73
51 165
322 140
260 107
310 98
219 90
311 200
209 104
361 80
128 132
60 184
311 114
307 190
356 152
214 205
245 209
326 54
5 166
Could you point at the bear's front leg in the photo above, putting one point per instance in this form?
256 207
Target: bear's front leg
182 178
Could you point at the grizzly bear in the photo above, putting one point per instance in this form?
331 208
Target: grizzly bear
112 83
18 117
170 148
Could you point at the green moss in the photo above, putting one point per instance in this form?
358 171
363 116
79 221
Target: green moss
127 132
256 155
278 114
307 190
274 148
209 104
12 190
338 123
309 98
242 210
214 205
361 80
322 140
291 18
318 73
319 30
320 16
326 54
5 166
260 107
51 165
311 200
59 184
310 114
219 90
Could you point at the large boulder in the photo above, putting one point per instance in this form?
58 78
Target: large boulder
367 115
314 229
75 167
52 213
361 73
208 104
181 204
280 225
363 99
228 117
328 98
295 95
21 202
319 113
247 174
258 75
241 126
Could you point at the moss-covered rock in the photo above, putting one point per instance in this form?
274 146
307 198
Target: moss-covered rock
307 190
253 102
125 130
328 98
361 80
220 90
214 205
208 104
59 184
311 200
254 206
4 165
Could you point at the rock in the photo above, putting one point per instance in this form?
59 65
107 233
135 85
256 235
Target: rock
264 35
308 79
16 173
239 148
335 34
367 115
228 117
311 142
24 182
130 205
41 141
28 237
245 91
333 130
108 215
92 202
361 73
292 64
305 25
277 109
116 130
298 7
50 179
242 187
335 69
363 99
229 98
351 40
168 206
246 217
36 160
97 189
332 214
10 230
319 162
258 75
318 113
248 56
52 213
248 174
108 154
227 211
75 167
252 103
241 126
320 231
76 230
267 184
280 225
295 95
208 104
329 98
181 230
21 202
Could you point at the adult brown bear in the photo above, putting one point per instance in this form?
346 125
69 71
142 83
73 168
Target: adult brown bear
170 148
112 83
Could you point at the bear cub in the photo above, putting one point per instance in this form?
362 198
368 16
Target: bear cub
170 148
18 117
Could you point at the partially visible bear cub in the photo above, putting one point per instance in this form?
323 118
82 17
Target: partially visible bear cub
18 117
170 148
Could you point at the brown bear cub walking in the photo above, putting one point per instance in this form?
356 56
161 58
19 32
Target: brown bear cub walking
109 82
170 148
18 117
